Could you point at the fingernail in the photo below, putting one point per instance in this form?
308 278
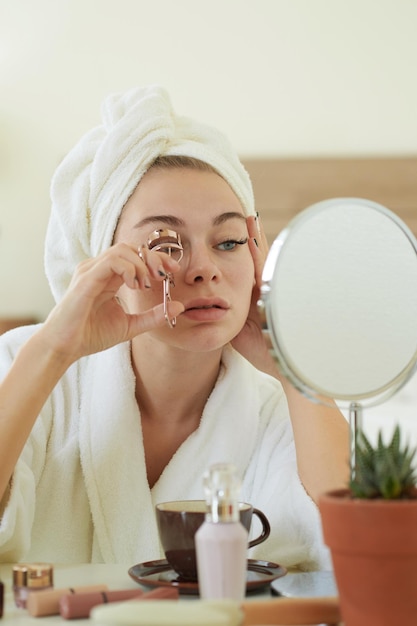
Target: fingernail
161 272
257 220
147 283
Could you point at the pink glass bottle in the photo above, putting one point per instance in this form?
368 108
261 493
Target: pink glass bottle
222 541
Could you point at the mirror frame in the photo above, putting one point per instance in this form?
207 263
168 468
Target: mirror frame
372 397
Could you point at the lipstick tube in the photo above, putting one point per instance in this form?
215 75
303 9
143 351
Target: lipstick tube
46 602
79 605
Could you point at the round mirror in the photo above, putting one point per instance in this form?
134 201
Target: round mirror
340 297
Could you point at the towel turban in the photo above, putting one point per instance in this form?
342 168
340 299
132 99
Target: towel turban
94 181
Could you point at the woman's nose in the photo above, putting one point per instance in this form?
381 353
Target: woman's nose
200 266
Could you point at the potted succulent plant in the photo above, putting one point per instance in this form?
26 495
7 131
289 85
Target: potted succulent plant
371 531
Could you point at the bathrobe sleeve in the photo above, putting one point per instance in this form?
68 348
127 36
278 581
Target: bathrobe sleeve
46 487
16 522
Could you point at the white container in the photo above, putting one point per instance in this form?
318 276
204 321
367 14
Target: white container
222 541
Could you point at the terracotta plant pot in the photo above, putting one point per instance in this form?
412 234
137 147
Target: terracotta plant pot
373 544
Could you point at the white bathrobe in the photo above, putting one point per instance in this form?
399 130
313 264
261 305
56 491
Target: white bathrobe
80 493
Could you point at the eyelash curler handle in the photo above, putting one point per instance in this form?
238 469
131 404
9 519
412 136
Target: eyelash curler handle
168 241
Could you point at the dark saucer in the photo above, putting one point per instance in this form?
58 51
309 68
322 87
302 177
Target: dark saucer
160 574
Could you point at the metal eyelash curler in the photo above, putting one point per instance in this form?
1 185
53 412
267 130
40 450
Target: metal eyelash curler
168 241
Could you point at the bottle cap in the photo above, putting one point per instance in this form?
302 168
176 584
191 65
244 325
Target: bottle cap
33 575
222 486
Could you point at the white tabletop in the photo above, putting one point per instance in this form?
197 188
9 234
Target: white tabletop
114 576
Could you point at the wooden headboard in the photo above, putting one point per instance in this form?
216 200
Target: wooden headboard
284 187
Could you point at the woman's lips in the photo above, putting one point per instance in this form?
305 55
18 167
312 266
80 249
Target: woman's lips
206 310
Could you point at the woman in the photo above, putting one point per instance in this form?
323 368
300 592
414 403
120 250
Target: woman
107 409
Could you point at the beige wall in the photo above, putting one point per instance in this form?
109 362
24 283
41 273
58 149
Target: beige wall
281 77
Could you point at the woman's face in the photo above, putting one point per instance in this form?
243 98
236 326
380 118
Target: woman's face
216 275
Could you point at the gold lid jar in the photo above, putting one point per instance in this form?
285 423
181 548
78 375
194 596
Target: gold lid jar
30 577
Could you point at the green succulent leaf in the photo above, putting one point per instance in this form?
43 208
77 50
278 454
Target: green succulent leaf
386 470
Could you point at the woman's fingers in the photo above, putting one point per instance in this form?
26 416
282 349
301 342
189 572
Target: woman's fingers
158 264
90 317
152 318
257 245
124 264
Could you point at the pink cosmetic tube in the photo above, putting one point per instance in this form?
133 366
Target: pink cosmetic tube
79 606
41 603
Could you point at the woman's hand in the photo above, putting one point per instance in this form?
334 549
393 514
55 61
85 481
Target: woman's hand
89 318
252 342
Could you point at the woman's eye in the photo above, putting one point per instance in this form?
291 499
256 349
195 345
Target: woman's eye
230 244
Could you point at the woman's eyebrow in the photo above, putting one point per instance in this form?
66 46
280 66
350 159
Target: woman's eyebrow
230 215
172 220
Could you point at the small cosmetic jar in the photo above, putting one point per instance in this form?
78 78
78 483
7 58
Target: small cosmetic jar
28 577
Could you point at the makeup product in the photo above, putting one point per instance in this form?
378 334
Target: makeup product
222 541
79 605
46 602
30 577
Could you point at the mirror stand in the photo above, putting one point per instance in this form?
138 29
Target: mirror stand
355 425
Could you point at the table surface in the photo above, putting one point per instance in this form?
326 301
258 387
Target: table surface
115 576
112 575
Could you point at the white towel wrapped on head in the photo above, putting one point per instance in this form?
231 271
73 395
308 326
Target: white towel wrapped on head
94 181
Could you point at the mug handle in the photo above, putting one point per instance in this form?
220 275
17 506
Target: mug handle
266 528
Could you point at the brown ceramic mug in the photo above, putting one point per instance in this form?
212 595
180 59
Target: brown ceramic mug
178 522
